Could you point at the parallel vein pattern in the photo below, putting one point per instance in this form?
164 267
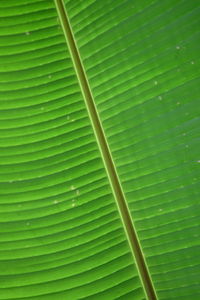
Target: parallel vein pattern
142 62
61 236
106 154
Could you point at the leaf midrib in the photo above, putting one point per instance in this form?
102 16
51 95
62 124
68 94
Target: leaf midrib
106 154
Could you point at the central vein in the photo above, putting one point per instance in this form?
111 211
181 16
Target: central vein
106 154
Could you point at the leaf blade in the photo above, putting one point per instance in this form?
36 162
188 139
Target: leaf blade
141 60
61 236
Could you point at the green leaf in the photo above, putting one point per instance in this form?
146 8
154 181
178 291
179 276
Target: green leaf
99 192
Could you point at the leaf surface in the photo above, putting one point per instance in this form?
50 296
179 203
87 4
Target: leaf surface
62 230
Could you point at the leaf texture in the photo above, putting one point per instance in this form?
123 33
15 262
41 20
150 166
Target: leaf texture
142 62
61 232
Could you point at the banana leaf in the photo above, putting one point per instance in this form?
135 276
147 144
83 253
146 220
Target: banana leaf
99 149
